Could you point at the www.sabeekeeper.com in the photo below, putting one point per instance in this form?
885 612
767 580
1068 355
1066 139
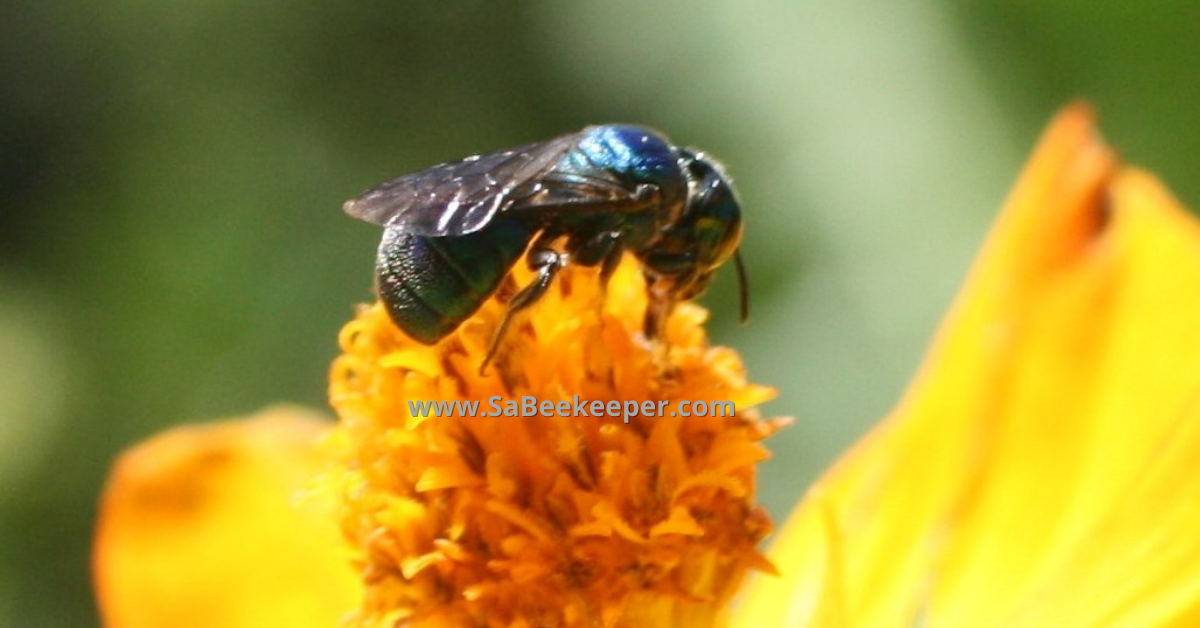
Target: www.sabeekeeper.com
530 406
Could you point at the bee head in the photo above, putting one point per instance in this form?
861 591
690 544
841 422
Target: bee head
705 236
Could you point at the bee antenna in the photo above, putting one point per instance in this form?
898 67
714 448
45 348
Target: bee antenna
743 286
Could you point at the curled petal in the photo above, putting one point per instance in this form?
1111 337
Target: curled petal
1037 471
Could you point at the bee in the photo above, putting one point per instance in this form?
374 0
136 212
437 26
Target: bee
454 231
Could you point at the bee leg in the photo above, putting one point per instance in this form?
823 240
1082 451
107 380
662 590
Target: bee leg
654 325
659 306
603 248
609 266
547 262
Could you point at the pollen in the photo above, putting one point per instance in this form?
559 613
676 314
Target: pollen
478 518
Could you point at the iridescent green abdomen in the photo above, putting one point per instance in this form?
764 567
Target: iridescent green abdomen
432 284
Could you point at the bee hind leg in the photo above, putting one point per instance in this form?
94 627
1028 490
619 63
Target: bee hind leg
547 262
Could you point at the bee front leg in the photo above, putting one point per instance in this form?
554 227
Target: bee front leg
659 305
654 325
658 308
547 262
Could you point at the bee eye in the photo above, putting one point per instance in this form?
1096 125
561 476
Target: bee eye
671 263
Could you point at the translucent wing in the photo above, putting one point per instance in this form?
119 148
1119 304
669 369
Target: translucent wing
573 191
463 196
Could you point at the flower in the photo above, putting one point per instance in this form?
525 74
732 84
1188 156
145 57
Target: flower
1041 470
549 520
474 520
1038 472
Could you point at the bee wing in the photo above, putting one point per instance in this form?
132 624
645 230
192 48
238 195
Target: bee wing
459 197
565 191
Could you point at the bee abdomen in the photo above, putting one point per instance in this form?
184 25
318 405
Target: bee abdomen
431 285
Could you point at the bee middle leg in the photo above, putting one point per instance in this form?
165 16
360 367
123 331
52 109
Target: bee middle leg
603 248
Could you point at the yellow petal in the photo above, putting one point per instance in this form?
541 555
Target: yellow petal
211 526
1110 368
1060 394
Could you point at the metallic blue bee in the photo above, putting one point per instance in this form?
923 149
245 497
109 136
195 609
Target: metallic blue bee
454 231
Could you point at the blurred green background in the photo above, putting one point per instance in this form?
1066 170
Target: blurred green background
172 247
